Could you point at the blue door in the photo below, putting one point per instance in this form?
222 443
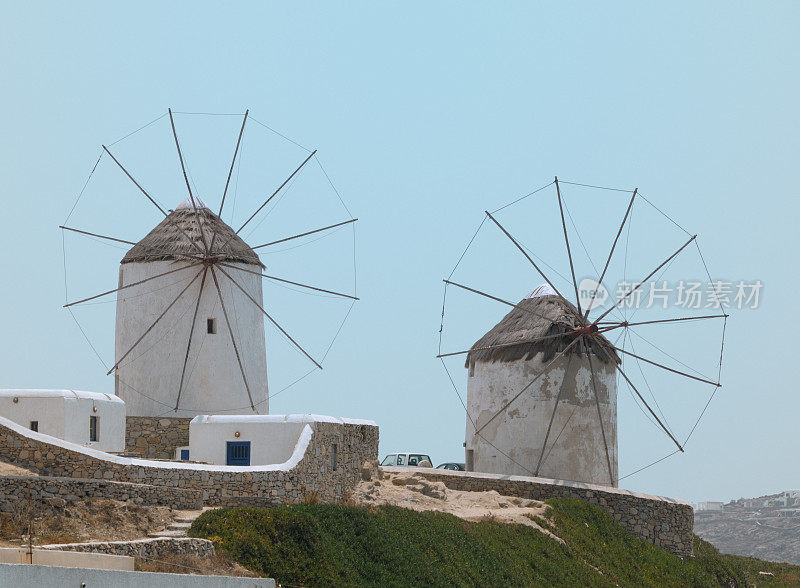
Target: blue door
238 453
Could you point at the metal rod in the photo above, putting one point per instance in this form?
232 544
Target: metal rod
253 300
502 345
186 179
276 191
514 241
230 173
150 328
150 198
233 339
529 384
673 320
599 412
650 275
191 332
553 415
290 282
655 416
352 220
96 235
613 246
569 251
663 367
495 298
131 285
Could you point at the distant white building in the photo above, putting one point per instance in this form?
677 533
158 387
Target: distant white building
253 439
708 506
87 418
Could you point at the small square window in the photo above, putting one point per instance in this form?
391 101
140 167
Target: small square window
34 425
93 432
211 326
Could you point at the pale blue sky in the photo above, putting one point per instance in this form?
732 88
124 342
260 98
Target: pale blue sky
425 116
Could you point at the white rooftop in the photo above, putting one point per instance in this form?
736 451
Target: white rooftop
277 418
188 203
543 290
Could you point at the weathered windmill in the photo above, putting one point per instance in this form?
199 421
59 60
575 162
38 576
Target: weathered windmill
190 302
542 386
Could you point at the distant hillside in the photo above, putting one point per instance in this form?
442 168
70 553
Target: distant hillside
767 527
323 545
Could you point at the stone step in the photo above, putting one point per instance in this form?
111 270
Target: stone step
168 533
178 525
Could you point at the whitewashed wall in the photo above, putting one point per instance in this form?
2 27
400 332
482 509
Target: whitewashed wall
149 378
65 414
577 453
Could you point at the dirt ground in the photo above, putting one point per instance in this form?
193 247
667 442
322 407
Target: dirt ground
88 520
6 469
414 492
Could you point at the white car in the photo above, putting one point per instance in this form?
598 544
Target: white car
405 459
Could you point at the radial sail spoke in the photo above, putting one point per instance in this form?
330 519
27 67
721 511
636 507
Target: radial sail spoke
529 384
132 284
186 179
230 173
233 338
599 412
352 220
669 369
151 327
611 253
191 332
96 235
650 275
290 282
281 329
569 251
286 181
506 302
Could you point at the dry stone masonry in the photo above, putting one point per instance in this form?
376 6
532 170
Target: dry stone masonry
155 437
143 548
665 522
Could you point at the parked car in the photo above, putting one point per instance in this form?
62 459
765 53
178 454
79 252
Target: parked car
450 465
405 459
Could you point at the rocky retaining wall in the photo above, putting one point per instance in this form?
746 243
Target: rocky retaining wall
62 491
142 548
155 438
665 522
308 472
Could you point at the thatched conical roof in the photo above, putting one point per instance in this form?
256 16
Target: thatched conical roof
166 242
516 337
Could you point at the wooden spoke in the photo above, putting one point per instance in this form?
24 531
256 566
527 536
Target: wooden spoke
501 345
150 198
650 275
608 261
150 328
230 173
569 251
96 235
131 285
233 339
529 384
186 179
599 412
281 329
290 282
650 410
286 181
553 415
663 367
525 253
191 332
506 302
352 220
616 325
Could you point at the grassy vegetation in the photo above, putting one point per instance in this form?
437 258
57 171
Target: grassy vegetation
314 545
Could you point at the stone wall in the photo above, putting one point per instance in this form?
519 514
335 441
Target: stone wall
155 438
308 473
665 522
61 491
143 548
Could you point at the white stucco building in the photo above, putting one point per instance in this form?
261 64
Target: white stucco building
86 418
160 373
253 440
511 441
